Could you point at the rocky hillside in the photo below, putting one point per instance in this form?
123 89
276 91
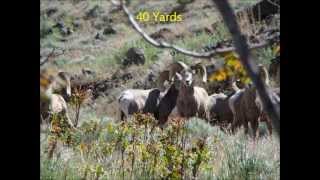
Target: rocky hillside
94 42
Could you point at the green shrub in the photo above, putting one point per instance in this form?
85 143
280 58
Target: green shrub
137 149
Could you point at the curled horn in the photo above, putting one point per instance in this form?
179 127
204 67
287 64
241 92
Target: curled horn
202 70
65 81
264 75
163 76
170 72
176 67
234 84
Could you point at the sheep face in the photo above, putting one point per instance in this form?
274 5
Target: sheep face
65 77
186 78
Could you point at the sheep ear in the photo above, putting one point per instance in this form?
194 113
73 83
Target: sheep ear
202 70
179 76
163 77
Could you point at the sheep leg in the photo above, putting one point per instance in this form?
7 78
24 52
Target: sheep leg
122 115
246 127
269 126
68 119
235 124
254 126
263 117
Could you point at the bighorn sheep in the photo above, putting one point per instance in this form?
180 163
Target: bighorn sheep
154 101
243 105
167 104
218 105
138 100
53 103
219 110
274 93
187 99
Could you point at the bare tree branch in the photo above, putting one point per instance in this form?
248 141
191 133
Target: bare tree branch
50 55
163 44
47 58
273 110
273 3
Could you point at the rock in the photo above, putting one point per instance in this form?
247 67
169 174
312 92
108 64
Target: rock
109 30
261 10
45 31
59 25
210 69
195 29
138 85
185 1
87 71
163 33
219 45
66 31
126 76
77 24
120 75
94 12
98 24
180 9
106 19
99 36
150 81
51 11
134 56
114 9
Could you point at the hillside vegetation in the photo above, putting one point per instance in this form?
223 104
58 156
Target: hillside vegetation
93 40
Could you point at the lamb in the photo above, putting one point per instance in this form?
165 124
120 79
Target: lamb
53 103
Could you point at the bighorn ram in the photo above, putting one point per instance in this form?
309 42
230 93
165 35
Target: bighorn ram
154 101
187 99
243 105
51 102
167 104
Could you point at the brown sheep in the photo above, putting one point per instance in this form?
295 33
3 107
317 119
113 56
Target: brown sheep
219 110
192 100
51 102
244 106
182 98
275 97
137 100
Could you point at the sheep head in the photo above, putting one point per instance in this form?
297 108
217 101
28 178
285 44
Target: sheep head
64 79
180 72
50 83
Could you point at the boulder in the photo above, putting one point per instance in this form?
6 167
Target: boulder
134 56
